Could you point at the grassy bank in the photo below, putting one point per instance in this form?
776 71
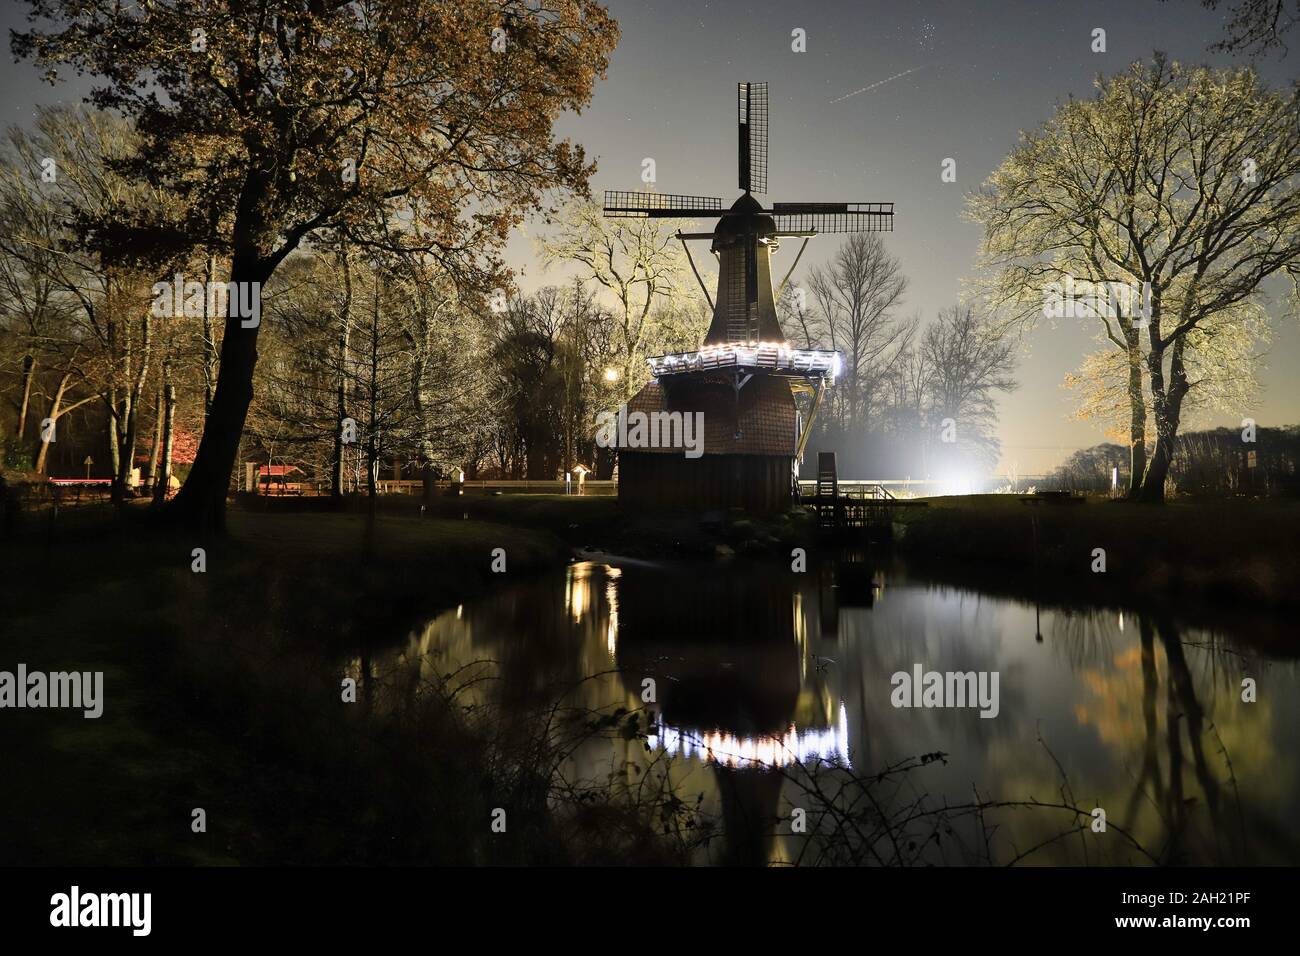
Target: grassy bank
222 692
1236 551
1229 552
598 523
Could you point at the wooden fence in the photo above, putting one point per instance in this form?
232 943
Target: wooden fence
404 486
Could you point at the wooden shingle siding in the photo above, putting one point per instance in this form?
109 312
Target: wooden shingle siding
760 484
767 418
748 467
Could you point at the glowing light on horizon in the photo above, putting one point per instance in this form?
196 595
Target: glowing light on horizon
959 483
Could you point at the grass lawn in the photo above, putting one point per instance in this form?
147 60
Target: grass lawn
213 699
571 517
1235 550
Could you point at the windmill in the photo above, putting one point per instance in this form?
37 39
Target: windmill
744 338
747 233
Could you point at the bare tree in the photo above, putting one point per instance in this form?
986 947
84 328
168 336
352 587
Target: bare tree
969 361
857 295
1255 26
1182 182
80 236
799 319
639 262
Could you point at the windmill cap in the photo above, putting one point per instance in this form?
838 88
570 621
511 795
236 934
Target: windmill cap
751 218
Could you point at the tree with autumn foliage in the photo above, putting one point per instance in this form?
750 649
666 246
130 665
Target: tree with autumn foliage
276 120
82 245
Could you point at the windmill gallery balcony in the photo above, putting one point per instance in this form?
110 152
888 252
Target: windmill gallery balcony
772 357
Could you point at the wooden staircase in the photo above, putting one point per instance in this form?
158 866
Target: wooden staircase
828 493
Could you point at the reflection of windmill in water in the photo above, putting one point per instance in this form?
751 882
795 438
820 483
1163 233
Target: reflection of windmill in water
744 378
734 688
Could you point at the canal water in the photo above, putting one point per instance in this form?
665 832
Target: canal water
768 702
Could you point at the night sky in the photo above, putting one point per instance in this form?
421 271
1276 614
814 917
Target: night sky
975 74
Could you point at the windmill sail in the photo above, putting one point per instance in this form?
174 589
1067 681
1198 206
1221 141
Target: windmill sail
752 139
834 216
747 234
626 204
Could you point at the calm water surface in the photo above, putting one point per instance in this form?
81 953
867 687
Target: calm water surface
755 667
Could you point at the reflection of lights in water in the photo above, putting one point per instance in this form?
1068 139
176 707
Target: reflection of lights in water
1121 622
460 610
611 633
831 745
611 598
577 595
800 634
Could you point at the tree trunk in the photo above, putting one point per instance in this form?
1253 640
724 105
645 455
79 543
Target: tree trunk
1168 411
157 442
162 481
113 413
1138 409
201 502
42 456
336 473
209 341
126 461
429 477
29 374
125 447
1153 483
372 462
372 444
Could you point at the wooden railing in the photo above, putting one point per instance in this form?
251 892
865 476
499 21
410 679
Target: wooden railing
407 486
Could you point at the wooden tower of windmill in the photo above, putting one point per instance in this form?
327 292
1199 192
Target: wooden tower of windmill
745 377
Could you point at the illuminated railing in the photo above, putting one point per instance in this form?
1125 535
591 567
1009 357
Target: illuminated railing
761 355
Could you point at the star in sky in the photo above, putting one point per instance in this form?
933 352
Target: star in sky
926 38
